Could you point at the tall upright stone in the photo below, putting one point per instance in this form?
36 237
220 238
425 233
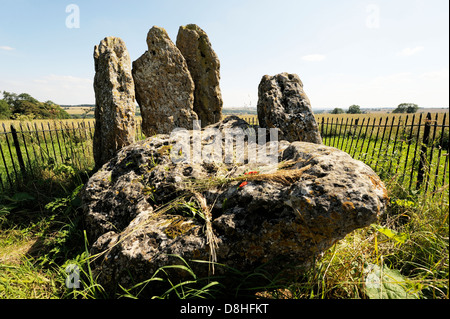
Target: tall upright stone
164 87
283 104
204 66
114 99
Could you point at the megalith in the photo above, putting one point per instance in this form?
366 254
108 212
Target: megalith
283 104
164 87
204 66
144 208
114 99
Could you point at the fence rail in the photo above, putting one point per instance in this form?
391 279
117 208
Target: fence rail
25 146
414 148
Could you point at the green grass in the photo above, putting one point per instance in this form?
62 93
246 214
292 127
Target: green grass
26 281
422 259
48 233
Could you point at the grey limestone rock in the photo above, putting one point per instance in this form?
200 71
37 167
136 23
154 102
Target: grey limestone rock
282 103
204 66
114 99
164 86
142 208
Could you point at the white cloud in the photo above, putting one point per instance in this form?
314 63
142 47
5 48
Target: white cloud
410 51
6 48
314 57
438 75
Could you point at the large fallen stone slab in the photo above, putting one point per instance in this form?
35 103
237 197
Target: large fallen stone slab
146 205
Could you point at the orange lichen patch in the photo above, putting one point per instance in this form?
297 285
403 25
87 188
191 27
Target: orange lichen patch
376 181
335 215
164 150
255 251
348 206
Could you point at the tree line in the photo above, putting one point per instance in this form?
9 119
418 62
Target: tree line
401 108
25 107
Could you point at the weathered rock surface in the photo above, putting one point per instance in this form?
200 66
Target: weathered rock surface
139 208
114 99
164 87
283 104
204 66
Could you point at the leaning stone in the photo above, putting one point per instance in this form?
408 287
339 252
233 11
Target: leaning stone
114 99
283 104
164 87
204 66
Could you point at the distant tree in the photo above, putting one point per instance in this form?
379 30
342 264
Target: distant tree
10 98
412 108
27 97
400 109
337 110
25 106
5 110
406 108
354 109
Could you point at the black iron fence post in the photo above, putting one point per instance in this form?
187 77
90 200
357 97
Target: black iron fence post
5 166
441 143
423 150
18 151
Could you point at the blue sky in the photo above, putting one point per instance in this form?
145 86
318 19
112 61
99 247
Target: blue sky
374 53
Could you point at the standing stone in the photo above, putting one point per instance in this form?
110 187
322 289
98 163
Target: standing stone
283 104
204 66
164 87
114 99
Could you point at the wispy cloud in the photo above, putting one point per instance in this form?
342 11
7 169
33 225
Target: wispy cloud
410 51
314 57
441 75
6 48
